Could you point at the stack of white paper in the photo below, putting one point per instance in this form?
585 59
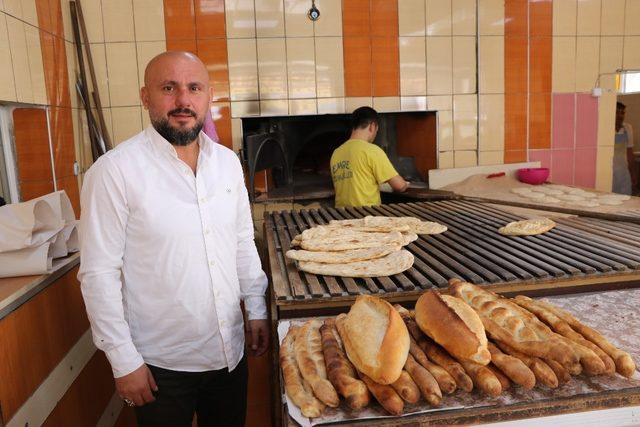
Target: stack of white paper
33 233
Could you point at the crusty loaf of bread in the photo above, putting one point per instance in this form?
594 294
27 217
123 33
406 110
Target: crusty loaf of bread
454 325
297 390
308 347
507 322
385 395
592 363
375 338
624 363
339 370
512 367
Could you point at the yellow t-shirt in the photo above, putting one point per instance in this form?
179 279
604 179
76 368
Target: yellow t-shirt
358 167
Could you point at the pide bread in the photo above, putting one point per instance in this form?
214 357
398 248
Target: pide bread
454 325
375 338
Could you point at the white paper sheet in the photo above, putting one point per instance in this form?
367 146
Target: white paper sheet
26 262
34 232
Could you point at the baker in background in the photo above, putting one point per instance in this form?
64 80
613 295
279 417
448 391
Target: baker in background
624 173
168 255
359 167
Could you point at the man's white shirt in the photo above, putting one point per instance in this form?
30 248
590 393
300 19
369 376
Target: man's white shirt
167 256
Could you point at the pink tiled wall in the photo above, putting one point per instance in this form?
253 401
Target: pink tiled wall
572 157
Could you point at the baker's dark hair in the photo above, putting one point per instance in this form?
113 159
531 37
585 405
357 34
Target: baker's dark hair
363 117
620 106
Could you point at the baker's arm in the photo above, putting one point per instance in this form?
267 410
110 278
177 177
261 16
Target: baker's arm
398 184
102 238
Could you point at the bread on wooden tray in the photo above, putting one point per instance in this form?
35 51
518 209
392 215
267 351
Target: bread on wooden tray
454 325
295 386
340 371
380 350
375 338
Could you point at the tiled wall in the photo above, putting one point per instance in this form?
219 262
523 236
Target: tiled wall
510 79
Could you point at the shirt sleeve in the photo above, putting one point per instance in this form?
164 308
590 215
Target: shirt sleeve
102 238
382 168
253 281
629 135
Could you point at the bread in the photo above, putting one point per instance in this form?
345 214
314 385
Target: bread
360 225
528 227
385 395
294 384
483 378
507 322
624 363
505 384
512 367
446 383
406 388
375 338
425 381
594 360
454 325
323 238
308 348
393 263
543 373
561 373
437 355
341 257
340 372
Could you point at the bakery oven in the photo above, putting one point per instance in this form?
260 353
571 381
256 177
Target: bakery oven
295 150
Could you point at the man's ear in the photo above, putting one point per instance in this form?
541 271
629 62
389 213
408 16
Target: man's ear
144 97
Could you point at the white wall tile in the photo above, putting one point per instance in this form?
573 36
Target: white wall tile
243 69
491 64
464 64
413 62
329 67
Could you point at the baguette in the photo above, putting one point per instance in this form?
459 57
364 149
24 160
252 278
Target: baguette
375 338
425 381
294 384
454 325
308 347
385 395
543 373
445 381
406 388
512 367
507 322
624 363
483 378
561 373
437 355
593 362
504 380
340 372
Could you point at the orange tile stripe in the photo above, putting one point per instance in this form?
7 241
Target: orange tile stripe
198 26
528 62
370 46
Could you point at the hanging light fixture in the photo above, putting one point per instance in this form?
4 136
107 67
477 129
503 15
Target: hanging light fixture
314 13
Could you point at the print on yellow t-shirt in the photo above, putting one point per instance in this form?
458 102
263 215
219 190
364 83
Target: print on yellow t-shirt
358 168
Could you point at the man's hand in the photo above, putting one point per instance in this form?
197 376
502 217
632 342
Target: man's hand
258 337
137 386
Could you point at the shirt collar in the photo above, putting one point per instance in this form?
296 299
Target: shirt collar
161 145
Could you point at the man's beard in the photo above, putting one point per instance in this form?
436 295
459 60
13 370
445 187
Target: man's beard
176 136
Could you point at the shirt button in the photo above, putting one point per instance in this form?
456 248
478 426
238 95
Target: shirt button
206 231
216 293
203 199
212 263
222 323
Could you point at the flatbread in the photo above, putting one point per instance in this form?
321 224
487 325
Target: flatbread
341 257
585 194
389 221
408 237
338 239
610 202
521 190
394 263
527 227
548 191
585 204
428 227
549 199
360 225
622 197
533 195
570 197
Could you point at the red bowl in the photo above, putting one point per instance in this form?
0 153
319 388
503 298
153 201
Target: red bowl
535 176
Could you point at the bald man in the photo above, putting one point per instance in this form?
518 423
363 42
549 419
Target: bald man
167 257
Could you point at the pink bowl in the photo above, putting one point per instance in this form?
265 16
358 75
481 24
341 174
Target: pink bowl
535 176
